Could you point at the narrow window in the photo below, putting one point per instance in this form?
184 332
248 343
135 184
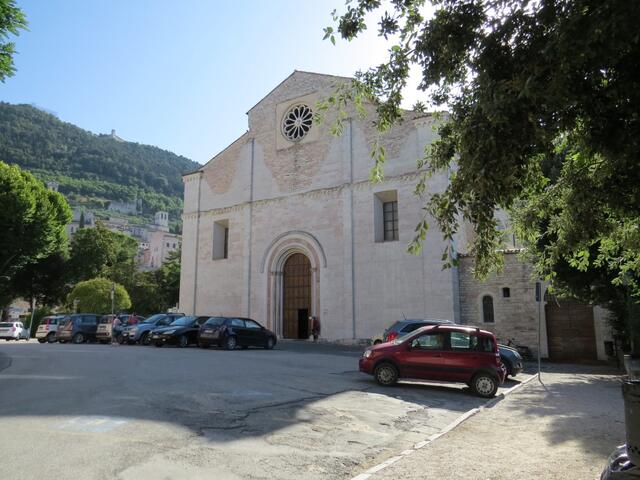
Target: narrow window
506 292
487 309
390 211
385 220
220 239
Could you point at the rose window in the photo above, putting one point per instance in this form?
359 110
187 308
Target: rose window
297 122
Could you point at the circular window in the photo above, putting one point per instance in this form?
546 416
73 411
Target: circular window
297 122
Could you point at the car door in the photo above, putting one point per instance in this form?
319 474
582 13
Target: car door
193 332
424 356
240 330
255 333
89 325
463 357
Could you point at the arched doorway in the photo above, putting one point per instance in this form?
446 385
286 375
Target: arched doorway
296 299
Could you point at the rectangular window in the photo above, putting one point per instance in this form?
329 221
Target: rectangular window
390 212
385 216
220 239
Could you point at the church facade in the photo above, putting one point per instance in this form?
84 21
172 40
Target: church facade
284 226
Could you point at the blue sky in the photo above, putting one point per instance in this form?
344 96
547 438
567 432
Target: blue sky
177 74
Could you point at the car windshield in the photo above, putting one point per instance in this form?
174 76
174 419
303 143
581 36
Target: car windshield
106 319
183 321
402 338
154 318
215 321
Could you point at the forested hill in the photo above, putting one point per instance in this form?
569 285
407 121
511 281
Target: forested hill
91 168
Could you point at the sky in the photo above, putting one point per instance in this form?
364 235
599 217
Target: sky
177 74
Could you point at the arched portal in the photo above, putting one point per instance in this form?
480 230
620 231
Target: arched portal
296 296
302 256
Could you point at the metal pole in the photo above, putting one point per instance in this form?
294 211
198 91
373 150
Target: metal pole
113 296
539 300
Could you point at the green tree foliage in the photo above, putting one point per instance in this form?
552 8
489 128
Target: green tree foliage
44 282
95 296
99 252
543 99
157 290
32 223
90 165
12 20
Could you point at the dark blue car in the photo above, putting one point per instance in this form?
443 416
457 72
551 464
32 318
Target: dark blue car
140 333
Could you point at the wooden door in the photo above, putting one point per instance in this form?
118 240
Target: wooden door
570 331
297 294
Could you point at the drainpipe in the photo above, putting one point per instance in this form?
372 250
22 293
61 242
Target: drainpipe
195 269
253 148
353 241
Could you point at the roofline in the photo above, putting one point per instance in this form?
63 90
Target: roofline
201 169
289 76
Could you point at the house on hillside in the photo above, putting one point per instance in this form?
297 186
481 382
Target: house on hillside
284 225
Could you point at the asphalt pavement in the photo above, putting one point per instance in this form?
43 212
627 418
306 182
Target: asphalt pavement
95 411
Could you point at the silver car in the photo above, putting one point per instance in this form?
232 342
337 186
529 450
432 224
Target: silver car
13 331
46 331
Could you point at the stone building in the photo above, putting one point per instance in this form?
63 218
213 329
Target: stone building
284 225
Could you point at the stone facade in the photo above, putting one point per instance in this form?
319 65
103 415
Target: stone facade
265 198
278 197
516 315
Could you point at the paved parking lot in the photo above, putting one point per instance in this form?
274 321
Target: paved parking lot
128 412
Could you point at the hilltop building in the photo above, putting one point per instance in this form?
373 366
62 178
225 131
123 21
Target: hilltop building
284 225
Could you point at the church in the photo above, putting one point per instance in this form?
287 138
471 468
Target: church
284 226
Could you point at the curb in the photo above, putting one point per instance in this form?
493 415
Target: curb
461 419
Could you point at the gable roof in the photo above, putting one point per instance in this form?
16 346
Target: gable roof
291 75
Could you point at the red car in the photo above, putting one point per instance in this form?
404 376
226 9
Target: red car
452 353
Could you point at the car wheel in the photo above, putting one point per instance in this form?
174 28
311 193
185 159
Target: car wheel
41 340
78 338
51 338
144 339
231 343
183 341
484 385
386 374
377 342
120 339
270 343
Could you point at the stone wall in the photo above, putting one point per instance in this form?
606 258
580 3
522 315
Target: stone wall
515 316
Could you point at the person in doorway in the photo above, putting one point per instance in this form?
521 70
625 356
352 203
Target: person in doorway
315 328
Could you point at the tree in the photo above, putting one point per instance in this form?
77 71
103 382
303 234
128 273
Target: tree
44 282
543 99
12 20
157 290
95 296
99 252
32 223
169 279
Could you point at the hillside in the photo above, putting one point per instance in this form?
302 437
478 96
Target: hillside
92 169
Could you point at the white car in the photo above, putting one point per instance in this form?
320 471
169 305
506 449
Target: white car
13 331
47 329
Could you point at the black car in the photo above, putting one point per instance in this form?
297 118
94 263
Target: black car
230 332
402 327
181 332
78 328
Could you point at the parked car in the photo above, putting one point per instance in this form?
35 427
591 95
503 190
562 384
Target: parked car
13 331
106 331
446 352
46 331
78 328
231 332
511 359
182 332
402 327
141 332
